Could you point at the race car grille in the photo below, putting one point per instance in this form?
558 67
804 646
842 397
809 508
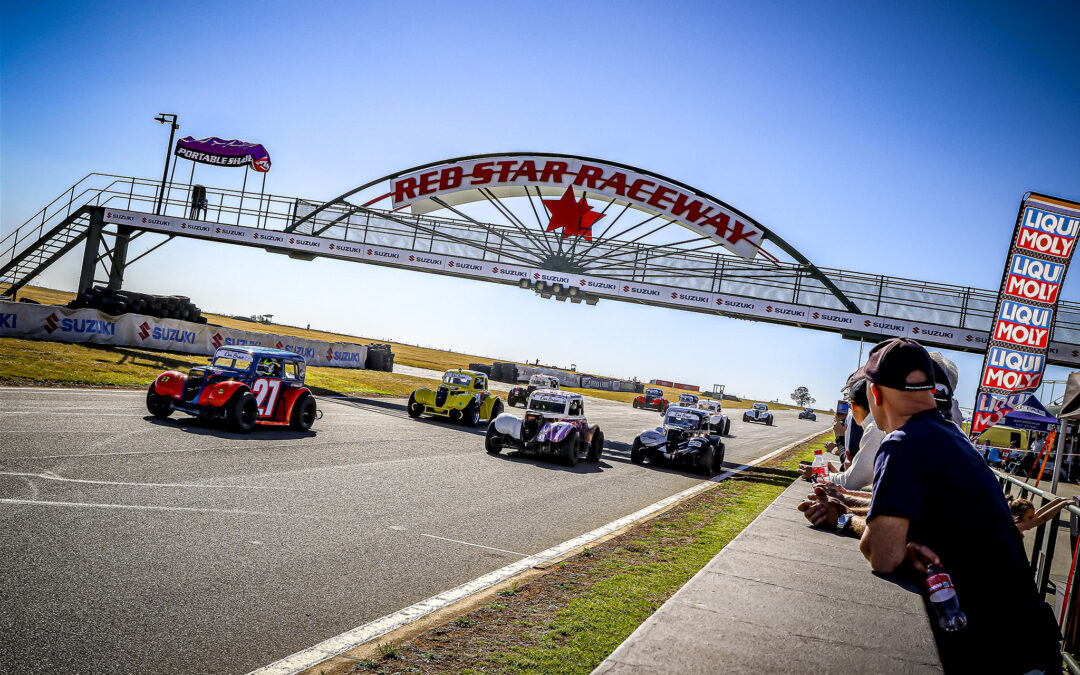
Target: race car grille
194 383
440 397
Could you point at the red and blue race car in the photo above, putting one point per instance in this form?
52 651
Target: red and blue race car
242 386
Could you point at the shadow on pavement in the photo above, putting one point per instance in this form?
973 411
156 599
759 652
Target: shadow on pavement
201 427
518 457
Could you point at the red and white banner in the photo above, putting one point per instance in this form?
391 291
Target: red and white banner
1043 242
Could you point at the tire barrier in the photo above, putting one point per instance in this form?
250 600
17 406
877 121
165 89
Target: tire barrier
481 368
379 357
116 302
56 323
504 372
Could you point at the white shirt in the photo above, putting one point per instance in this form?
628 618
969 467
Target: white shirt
860 475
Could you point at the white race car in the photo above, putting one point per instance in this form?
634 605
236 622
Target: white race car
758 413
538 381
684 440
554 425
688 400
715 409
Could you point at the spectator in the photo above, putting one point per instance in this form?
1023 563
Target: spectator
934 501
946 375
1027 518
860 474
852 432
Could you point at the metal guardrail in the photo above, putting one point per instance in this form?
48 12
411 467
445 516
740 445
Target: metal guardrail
905 299
1042 557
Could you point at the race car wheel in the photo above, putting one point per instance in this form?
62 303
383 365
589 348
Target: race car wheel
242 412
569 449
706 462
158 405
496 409
596 448
745 418
768 420
637 455
470 417
415 409
493 442
303 413
727 426
636 404
718 458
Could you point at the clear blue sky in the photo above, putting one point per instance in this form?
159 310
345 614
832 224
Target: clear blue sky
894 138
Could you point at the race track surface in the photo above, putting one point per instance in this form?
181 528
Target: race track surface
137 545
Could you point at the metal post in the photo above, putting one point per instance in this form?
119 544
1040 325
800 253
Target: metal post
262 189
90 253
173 126
243 187
119 256
1063 427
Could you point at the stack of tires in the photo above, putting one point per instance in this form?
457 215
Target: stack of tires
504 372
117 301
379 357
481 368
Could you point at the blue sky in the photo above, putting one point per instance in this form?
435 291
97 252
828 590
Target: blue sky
886 138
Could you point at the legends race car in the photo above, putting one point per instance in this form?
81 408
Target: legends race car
758 413
538 381
652 399
714 409
463 396
688 400
808 414
554 425
684 439
243 386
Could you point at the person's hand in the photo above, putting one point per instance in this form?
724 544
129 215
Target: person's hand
807 471
826 490
830 447
838 426
921 556
823 513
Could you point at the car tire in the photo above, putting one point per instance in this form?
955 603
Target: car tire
706 463
243 411
768 420
569 450
303 412
470 416
637 454
496 410
158 405
636 404
596 448
745 418
493 442
414 408
718 458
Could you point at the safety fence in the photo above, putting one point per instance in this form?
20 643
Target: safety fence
1063 592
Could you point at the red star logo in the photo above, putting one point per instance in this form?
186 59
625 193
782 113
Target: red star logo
574 217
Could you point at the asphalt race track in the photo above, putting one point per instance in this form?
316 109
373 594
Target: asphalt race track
137 545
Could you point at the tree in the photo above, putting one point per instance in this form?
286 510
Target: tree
802 397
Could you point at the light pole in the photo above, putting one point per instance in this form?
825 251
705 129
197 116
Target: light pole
171 120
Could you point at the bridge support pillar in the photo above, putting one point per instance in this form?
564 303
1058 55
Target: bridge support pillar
119 257
90 252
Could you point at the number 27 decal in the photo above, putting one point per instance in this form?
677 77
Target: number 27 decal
266 392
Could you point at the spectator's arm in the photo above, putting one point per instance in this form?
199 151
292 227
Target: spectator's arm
1044 514
884 543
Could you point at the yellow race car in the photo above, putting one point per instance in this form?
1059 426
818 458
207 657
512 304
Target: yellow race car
463 396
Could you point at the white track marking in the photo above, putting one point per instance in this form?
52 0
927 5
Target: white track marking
134 507
52 476
77 414
306 658
106 454
490 548
77 390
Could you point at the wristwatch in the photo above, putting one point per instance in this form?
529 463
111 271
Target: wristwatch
843 523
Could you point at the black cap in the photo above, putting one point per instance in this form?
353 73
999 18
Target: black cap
859 374
942 392
891 362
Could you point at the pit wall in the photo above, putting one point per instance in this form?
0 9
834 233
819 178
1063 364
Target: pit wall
59 324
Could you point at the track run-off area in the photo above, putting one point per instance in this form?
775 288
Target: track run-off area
138 545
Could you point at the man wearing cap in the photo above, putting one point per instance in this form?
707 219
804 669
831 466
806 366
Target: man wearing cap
935 500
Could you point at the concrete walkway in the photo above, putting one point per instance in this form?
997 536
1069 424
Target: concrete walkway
782 597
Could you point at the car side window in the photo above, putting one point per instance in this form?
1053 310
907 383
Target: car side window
480 384
292 372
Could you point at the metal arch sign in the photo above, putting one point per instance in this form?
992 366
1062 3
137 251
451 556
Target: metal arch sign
460 182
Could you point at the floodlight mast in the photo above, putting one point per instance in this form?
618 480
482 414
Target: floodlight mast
164 118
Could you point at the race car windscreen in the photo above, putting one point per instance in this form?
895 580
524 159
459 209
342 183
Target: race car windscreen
547 405
760 406
457 379
227 358
654 392
683 420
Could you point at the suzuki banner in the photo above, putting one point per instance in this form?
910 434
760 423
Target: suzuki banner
1042 246
60 324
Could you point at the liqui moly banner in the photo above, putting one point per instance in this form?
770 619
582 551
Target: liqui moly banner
1042 246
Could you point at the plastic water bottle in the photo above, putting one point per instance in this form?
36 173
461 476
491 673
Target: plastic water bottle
820 469
943 597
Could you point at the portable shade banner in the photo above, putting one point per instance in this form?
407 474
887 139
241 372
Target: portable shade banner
220 152
1029 413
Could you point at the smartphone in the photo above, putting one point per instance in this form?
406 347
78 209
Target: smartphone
842 408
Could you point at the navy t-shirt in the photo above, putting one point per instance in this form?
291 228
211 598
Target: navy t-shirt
928 472
852 436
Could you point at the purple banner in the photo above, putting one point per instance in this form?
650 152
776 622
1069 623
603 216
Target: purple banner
219 152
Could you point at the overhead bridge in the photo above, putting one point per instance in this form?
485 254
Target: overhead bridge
627 260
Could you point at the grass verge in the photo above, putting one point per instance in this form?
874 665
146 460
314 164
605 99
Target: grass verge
570 618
